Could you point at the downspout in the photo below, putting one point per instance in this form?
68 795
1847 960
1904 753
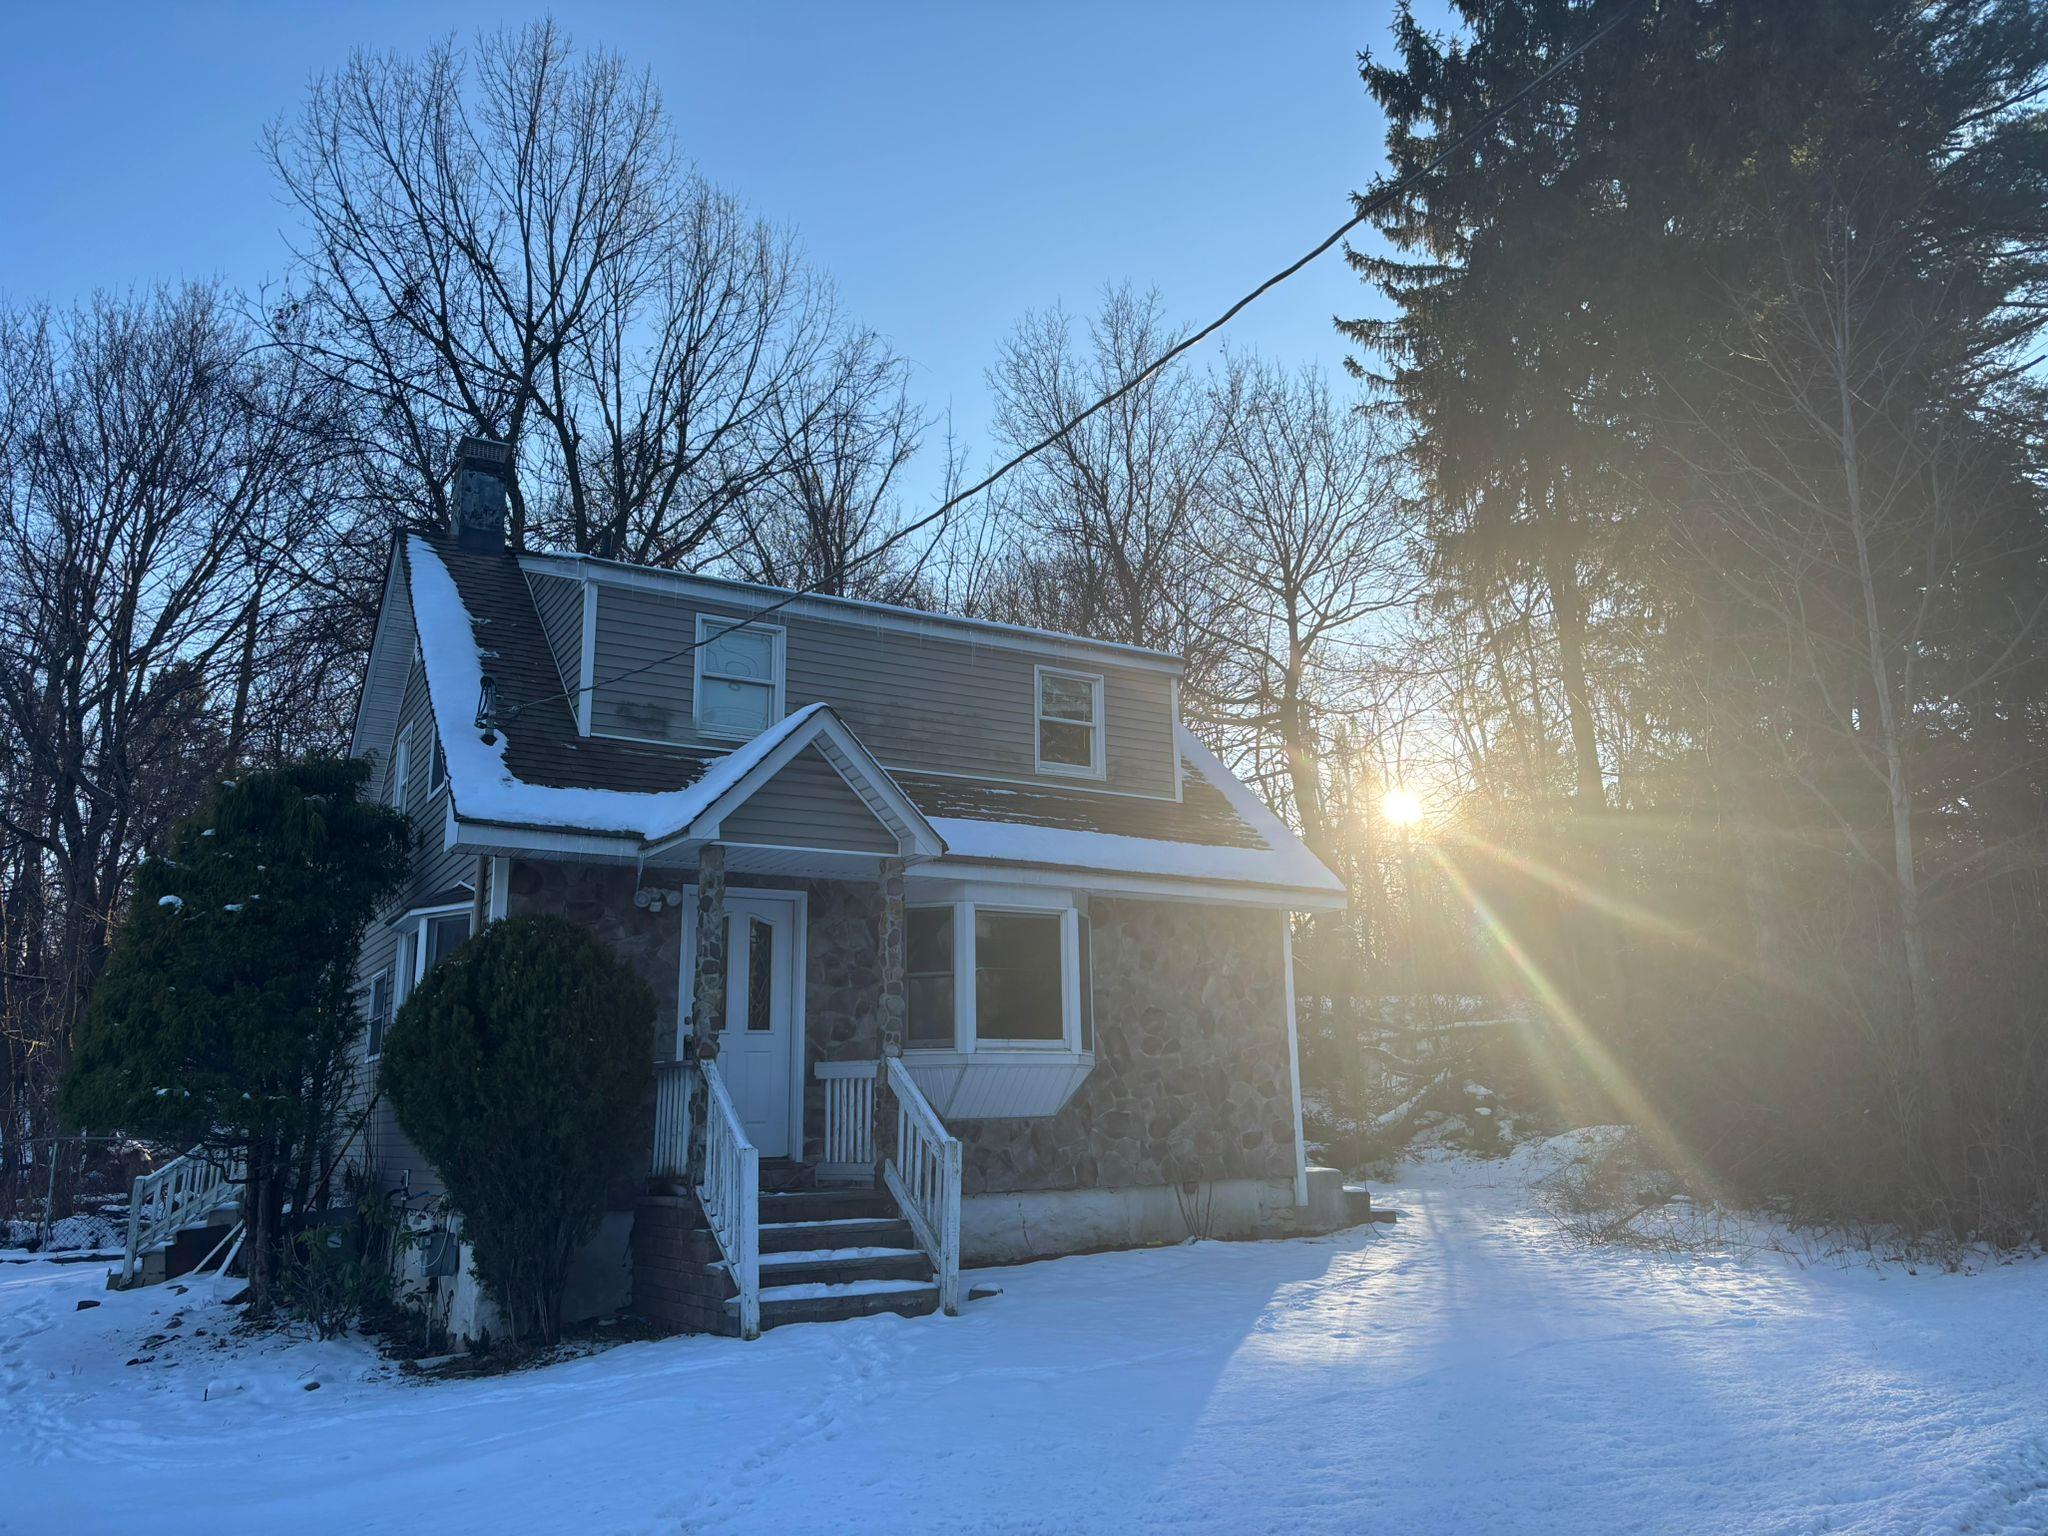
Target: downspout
1294 1058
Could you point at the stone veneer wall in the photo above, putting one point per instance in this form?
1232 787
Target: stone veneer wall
600 897
1190 1078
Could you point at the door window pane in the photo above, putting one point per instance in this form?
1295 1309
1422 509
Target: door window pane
760 974
928 975
1017 976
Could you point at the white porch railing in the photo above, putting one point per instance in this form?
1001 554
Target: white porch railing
923 1173
671 1119
166 1200
731 1194
849 1148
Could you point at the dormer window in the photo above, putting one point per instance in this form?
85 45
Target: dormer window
1070 723
739 676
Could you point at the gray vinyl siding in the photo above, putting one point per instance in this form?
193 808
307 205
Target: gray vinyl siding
808 805
382 1146
559 602
934 703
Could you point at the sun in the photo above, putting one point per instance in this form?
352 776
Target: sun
1402 807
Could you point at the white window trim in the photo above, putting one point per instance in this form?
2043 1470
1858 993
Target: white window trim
967 1043
416 931
709 627
1095 768
388 975
401 769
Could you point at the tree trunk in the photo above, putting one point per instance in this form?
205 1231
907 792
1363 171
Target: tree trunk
1929 1059
245 682
1602 981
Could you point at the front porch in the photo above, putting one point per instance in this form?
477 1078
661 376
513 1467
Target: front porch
812 1079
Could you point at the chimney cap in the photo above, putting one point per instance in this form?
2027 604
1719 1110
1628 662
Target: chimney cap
486 454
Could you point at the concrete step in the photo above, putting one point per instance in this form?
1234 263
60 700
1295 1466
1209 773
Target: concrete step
827 1205
847 1232
842 1266
817 1303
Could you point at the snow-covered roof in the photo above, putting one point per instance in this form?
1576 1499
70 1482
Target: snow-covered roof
1219 832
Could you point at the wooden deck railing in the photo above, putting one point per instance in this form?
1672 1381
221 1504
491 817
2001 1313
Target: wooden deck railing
923 1173
671 1119
849 1147
731 1195
165 1201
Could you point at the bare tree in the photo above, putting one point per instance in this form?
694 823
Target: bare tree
507 242
827 520
1105 523
148 479
1305 544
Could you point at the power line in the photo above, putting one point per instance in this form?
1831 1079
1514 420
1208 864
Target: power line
1366 207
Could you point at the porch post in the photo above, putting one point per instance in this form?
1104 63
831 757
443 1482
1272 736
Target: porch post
892 1008
707 995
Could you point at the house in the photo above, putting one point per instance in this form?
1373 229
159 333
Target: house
961 899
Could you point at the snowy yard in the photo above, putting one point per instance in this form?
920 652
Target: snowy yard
1467 1370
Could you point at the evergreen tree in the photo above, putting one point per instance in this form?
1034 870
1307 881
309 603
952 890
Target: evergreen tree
1722 345
226 1013
522 1067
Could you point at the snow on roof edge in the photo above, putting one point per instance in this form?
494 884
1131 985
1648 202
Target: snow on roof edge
484 789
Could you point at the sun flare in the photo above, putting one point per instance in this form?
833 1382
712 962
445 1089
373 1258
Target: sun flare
1401 807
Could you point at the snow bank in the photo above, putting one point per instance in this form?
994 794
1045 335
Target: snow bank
1466 1370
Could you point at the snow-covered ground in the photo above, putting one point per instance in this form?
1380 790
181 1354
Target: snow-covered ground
1466 1370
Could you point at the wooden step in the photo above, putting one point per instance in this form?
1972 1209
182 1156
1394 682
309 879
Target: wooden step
780 1174
826 1205
846 1232
810 1303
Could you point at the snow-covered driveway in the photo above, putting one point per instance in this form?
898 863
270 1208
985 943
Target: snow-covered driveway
1467 1370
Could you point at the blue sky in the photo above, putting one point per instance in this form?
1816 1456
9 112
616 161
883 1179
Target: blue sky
950 166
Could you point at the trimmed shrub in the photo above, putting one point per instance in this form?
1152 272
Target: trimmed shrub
522 1067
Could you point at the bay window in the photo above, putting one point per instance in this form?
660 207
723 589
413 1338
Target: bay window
1005 973
1019 984
928 976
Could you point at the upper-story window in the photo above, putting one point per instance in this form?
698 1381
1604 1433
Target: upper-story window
739 677
401 769
1069 722
437 770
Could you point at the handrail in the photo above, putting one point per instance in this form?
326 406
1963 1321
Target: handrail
165 1200
924 1176
731 1195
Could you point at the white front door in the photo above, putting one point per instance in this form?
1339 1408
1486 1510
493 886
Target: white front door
757 1043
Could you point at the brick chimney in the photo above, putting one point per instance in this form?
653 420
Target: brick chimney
483 474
